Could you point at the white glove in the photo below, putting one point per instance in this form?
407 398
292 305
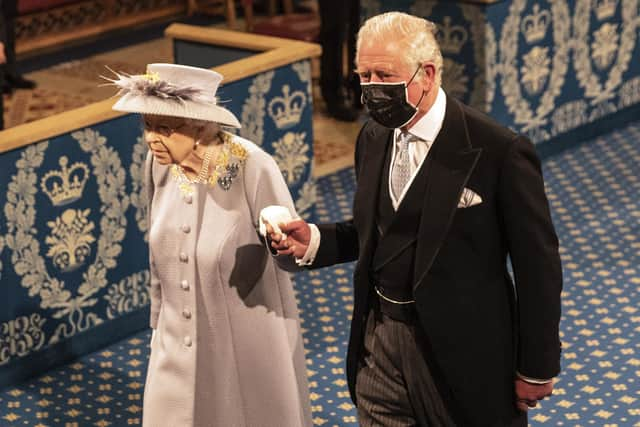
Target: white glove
274 215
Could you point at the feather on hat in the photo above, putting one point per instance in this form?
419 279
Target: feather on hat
173 90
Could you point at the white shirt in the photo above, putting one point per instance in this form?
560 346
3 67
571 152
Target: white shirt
427 129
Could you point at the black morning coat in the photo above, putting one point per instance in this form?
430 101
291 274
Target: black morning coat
481 328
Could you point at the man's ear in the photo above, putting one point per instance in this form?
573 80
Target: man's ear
429 75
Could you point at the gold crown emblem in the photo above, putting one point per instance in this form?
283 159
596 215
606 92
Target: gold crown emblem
534 26
66 185
451 38
286 110
605 8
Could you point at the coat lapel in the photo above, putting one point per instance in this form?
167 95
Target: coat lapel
402 230
374 146
453 160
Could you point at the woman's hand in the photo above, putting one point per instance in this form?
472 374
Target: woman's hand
298 236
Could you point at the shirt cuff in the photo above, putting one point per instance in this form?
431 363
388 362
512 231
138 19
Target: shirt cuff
312 249
533 380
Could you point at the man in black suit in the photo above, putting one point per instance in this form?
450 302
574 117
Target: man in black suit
339 22
441 335
13 79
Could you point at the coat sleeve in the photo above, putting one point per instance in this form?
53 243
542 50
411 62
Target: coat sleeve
265 186
339 241
155 292
533 248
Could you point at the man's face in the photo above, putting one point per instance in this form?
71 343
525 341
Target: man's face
382 61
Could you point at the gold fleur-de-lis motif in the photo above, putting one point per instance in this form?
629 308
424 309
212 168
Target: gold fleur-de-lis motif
454 80
70 239
290 153
535 69
605 45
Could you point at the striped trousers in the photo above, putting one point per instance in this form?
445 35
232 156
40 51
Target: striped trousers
394 386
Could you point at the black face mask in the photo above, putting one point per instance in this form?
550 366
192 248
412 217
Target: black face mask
388 103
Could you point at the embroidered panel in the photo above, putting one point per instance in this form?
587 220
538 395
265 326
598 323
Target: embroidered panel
73 237
544 68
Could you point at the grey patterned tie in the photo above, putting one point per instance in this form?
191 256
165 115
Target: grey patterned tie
401 172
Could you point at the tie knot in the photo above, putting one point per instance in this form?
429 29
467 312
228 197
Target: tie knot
405 138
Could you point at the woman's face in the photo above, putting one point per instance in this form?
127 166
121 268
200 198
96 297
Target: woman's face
171 139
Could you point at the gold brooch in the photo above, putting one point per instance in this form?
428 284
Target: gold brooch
225 170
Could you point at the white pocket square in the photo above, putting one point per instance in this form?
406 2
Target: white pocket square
469 198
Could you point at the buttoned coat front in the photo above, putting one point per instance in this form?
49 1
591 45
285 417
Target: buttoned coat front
228 347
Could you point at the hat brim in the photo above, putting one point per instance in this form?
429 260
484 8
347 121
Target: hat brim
169 107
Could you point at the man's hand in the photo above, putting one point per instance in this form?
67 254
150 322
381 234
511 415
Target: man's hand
3 58
528 394
298 237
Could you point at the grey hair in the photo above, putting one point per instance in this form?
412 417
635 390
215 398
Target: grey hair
208 127
416 35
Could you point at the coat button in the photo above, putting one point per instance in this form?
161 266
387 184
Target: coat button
184 257
186 313
188 199
184 285
186 229
187 341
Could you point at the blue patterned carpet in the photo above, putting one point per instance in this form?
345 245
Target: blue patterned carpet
594 191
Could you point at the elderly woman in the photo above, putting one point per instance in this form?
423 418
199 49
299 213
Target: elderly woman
226 348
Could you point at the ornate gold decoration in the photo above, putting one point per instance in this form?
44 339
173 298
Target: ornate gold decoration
451 38
454 79
291 155
66 185
254 107
594 89
138 194
534 26
128 294
535 69
83 14
303 70
286 110
225 170
70 239
20 337
131 7
59 19
629 93
516 103
569 116
604 45
605 8
1 249
485 57
22 236
307 197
